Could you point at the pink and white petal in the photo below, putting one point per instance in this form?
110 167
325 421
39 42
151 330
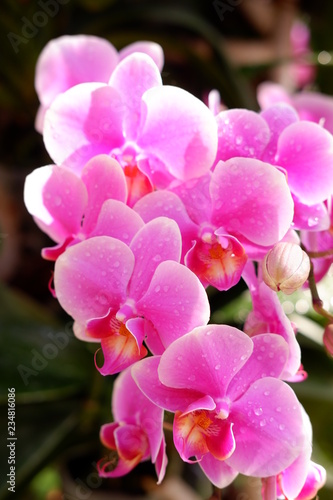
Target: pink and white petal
175 302
39 119
145 374
188 142
161 461
315 107
117 220
268 421
104 179
218 472
91 277
80 332
131 405
120 352
305 150
251 198
269 356
269 93
157 241
83 122
168 204
278 117
310 217
241 133
219 352
196 198
268 317
56 198
134 74
152 49
69 60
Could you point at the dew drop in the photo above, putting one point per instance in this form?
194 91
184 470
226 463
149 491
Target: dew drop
262 423
282 427
157 258
266 393
116 263
217 367
278 409
258 411
191 378
157 288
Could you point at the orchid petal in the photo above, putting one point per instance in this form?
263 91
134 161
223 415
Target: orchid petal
157 241
305 150
83 122
270 426
132 77
91 277
311 217
168 204
188 141
268 317
145 374
152 49
175 302
217 471
269 356
269 93
69 60
278 117
252 198
117 220
161 462
241 133
104 179
205 360
56 198
136 407
196 198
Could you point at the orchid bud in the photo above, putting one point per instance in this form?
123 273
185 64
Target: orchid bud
286 267
328 339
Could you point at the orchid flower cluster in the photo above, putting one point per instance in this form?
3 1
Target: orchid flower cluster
155 196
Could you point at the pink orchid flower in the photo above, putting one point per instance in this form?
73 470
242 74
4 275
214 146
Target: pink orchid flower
228 400
312 106
121 294
70 209
244 204
157 133
72 59
302 149
136 435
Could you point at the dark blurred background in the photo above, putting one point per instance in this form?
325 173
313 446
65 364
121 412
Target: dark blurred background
61 400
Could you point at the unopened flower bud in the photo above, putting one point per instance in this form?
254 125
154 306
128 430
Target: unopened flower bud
286 267
328 339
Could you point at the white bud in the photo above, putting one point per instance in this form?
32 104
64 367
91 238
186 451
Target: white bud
286 267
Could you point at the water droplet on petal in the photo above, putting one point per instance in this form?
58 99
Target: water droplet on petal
262 423
217 367
282 427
